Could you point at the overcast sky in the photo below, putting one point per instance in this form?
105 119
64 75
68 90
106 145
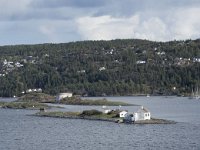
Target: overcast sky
56 21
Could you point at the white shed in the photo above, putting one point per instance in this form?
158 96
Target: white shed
106 110
122 114
63 95
142 114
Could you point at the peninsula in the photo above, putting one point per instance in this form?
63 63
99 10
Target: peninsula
40 100
45 98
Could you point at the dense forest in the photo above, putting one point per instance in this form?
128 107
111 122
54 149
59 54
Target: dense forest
96 68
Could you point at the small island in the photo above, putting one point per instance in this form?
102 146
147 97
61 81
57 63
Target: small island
38 101
98 102
45 98
23 105
113 116
36 97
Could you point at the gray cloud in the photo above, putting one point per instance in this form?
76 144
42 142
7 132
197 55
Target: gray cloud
67 3
37 21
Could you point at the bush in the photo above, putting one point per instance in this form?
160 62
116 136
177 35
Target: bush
91 112
115 113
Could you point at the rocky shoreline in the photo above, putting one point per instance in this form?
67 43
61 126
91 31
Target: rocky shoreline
155 121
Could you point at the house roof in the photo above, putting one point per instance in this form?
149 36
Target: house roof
144 110
123 111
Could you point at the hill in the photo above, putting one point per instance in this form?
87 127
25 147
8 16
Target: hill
95 68
36 97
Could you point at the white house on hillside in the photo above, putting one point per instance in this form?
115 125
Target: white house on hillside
63 95
142 114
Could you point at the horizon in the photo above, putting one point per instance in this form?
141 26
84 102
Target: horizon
97 41
49 21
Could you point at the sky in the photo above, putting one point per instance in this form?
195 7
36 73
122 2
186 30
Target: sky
60 21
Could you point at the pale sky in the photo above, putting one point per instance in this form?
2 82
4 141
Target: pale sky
58 21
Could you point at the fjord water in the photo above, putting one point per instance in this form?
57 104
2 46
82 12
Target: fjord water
20 131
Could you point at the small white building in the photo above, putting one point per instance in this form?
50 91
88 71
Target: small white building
142 114
63 95
106 110
123 113
141 62
29 90
102 68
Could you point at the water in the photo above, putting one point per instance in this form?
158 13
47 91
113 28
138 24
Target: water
7 99
19 131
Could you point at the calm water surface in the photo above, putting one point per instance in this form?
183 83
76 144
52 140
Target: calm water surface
19 131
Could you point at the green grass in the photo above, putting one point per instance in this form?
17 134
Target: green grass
36 97
58 114
79 101
77 115
44 98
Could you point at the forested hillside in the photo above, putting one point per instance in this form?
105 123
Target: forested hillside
95 68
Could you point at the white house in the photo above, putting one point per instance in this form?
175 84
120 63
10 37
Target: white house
29 90
122 114
102 68
142 114
63 95
105 109
141 62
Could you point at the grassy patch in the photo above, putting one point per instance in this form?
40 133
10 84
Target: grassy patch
58 114
89 114
79 101
37 97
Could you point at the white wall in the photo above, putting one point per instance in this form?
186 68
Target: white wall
147 116
63 95
122 114
142 116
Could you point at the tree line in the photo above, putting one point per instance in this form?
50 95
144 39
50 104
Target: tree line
96 68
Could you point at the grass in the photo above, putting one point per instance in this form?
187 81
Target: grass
45 98
78 114
36 97
58 114
79 101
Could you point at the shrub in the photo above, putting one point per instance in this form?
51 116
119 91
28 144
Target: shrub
91 112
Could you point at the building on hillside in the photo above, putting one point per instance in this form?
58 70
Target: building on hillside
102 68
142 114
141 62
63 95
